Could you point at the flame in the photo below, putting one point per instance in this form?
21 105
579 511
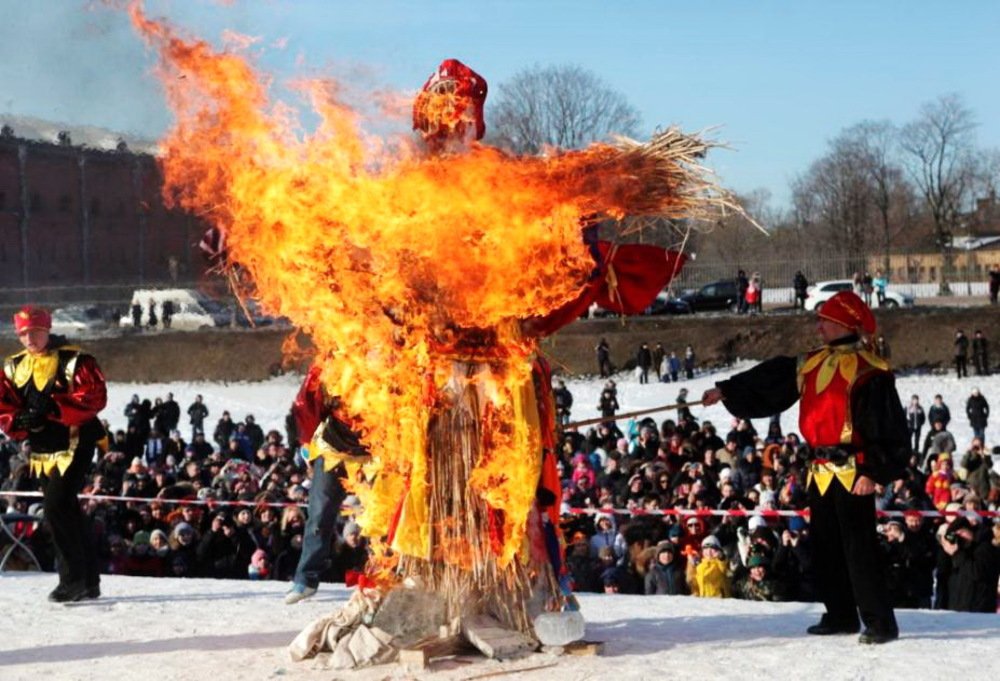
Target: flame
388 258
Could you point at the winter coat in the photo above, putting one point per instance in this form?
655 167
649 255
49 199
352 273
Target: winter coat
765 590
936 413
644 358
967 580
665 580
709 578
938 488
978 411
915 417
961 346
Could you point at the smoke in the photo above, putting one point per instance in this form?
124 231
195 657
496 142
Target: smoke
77 63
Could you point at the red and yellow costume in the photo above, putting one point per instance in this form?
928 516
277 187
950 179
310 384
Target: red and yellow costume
51 399
851 417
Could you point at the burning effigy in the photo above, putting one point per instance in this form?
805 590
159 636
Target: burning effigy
425 271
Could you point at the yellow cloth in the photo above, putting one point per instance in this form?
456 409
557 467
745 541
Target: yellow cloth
824 473
44 464
41 368
711 578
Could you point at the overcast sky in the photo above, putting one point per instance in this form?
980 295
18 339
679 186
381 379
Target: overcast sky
781 78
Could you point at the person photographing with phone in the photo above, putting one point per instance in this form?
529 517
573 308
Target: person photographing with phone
851 417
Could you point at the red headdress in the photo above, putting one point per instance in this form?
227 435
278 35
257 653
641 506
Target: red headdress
847 309
31 317
451 100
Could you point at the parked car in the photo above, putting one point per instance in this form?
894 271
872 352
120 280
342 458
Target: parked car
822 291
76 320
193 309
719 295
668 304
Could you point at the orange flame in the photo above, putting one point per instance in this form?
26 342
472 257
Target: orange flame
382 255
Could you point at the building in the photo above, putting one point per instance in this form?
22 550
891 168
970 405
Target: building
86 224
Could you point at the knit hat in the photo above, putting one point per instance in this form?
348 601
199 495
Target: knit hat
351 528
711 542
757 560
140 537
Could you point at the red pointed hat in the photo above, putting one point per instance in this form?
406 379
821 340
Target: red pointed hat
847 309
31 317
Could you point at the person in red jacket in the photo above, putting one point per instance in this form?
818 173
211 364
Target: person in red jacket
50 395
939 482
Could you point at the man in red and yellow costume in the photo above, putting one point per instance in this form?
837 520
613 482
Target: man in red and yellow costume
50 395
852 419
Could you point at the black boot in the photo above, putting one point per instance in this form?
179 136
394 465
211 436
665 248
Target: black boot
875 637
69 593
829 627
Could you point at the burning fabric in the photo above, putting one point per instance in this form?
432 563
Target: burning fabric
425 273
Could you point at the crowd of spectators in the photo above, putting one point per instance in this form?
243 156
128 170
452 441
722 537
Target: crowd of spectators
616 486
226 506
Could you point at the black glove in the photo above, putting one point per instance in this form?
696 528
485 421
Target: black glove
29 420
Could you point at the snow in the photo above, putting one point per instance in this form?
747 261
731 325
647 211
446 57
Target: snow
184 629
205 629
269 401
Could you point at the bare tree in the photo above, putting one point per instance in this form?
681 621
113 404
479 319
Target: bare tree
563 106
939 145
835 201
872 145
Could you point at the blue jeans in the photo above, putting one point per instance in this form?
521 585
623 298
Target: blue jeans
325 498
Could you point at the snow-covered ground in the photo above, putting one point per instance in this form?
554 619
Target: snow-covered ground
194 629
269 401
202 629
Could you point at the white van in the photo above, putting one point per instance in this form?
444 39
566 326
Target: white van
193 310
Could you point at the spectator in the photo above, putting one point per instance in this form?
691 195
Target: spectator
978 464
197 413
882 348
742 284
608 404
224 430
757 584
978 411
689 362
673 366
708 575
603 358
564 402
151 319
644 361
994 283
939 483
915 420
879 283
967 570
137 315
659 354
980 353
939 411
665 576
801 286
751 299
168 313
961 354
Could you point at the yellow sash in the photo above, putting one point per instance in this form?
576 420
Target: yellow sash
824 473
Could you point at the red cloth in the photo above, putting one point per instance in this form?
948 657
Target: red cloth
628 280
309 408
31 317
86 397
847 309
639 273
78 403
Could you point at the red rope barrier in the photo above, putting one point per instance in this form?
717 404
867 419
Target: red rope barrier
682 512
